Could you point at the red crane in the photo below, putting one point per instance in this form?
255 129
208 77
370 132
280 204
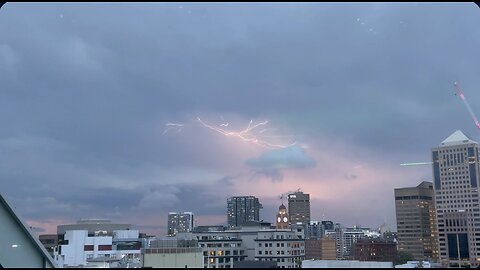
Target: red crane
460 93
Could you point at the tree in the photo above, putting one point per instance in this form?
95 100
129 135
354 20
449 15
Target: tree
404 257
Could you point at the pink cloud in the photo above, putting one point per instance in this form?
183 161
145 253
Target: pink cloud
349 184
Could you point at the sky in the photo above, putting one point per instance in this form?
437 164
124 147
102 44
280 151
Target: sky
128 111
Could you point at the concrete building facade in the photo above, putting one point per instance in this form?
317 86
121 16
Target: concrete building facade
255 241
299 207
169 253
345 238
92 226
344 264
375 250
281 246
320 249
79 248
456 183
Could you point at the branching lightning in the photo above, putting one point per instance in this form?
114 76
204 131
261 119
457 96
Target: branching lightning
249 134
256 133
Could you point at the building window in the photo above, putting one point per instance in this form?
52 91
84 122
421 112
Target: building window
104 247
88 248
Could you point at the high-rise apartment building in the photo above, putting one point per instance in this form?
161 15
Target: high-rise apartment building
299 207
456 176
180 222
416 222
241 209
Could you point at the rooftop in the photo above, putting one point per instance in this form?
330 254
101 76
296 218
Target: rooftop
457 138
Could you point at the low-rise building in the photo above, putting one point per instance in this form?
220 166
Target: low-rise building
344 264
345 238
255 264
282 246
379 250
416 264
78 248
49 241
255 241
172 253
320 249
92 226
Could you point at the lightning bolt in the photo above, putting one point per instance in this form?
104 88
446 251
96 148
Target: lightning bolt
171 126
248 134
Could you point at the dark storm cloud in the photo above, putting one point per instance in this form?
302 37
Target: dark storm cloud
201 198
86 89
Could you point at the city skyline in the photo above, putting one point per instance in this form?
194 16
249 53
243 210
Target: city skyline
131 111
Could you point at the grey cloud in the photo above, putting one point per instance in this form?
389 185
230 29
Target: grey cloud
118 204
275 174
351 176
292 157
271 163
85 87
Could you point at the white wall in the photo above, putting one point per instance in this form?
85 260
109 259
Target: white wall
178 260
74 253
16 248
125 234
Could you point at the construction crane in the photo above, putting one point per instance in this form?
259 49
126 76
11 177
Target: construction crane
285 195
459 92
461 95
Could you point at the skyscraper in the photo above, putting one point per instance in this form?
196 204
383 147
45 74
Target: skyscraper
416 226
299 207
180 222
456 174
241 209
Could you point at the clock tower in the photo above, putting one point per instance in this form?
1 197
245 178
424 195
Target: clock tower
282 218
